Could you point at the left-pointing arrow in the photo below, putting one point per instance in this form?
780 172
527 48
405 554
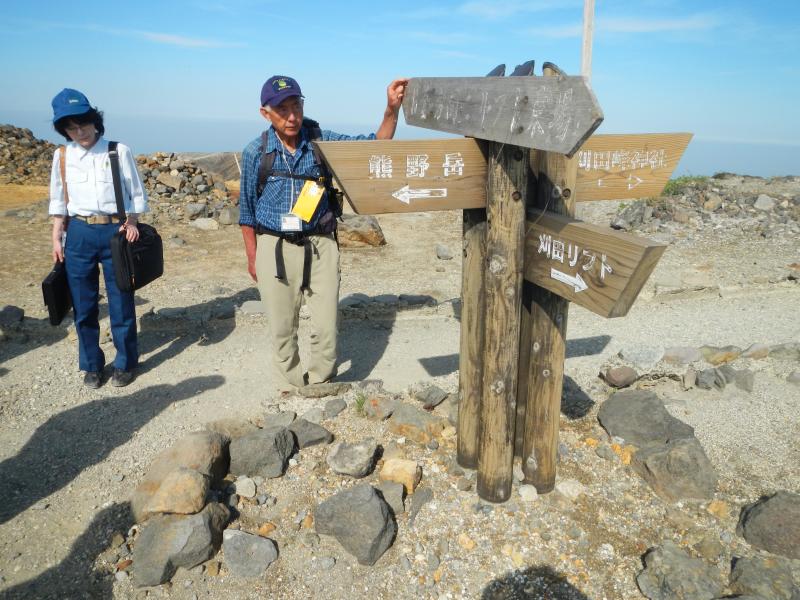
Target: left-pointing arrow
407 194
577 281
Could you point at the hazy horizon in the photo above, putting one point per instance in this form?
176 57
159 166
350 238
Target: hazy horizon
147 135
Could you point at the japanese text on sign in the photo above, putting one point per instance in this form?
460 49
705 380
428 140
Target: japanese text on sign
623 160
417 165
554 249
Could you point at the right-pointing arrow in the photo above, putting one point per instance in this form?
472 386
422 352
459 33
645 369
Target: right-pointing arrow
631 183
576 282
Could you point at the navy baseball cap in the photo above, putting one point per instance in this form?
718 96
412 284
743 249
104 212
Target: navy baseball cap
277 88
69 102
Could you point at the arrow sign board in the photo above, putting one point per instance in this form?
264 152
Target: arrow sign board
391 176
598 268
555 114
622 167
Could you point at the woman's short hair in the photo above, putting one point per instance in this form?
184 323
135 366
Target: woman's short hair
94 116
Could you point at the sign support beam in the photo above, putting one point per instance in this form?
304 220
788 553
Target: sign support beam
545 343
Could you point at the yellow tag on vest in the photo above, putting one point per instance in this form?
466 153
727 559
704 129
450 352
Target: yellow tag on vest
308 200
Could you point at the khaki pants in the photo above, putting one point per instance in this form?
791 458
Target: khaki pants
282 300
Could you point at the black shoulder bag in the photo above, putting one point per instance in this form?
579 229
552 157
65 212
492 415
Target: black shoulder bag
55 288
135 263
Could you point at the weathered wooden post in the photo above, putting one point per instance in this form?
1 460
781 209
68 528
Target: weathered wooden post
505 210
556 175
473 313
473 329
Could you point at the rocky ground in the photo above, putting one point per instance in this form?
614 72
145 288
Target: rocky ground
709 358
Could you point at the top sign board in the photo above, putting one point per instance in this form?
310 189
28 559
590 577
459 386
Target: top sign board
555 114
616 167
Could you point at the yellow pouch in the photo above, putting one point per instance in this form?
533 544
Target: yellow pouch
308 200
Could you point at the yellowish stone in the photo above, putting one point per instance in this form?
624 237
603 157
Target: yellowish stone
466 542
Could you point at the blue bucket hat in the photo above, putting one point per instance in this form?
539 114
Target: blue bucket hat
69 102
277 88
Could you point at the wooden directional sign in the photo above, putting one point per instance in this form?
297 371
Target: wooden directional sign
547 113
595 267
388 176
394 176
621 167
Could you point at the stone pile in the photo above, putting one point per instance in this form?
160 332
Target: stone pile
179 191
24 159
764 207
200 495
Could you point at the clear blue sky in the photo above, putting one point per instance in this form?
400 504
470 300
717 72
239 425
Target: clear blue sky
186 75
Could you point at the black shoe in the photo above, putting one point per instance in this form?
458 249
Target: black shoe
121 378
91 379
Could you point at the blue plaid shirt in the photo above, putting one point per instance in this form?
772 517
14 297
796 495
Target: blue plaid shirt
280 192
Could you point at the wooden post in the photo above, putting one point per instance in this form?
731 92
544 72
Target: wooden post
556 177
505 209
588 34
473 312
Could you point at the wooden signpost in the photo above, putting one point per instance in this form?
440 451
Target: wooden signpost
595 267
525 256
390 176
373 173
555 114
617 167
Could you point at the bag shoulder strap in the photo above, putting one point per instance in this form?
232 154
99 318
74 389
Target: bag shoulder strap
265 165
62 167
113 156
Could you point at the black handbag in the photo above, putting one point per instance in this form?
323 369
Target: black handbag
55 290
135 263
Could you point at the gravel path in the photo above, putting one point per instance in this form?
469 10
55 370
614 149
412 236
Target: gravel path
71 457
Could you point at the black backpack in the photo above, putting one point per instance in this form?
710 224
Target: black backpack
325 179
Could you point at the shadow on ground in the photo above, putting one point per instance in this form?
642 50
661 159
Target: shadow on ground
534 583
81 436
437 366
75 576
363 341
170 331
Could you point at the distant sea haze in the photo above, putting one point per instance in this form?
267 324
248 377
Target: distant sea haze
146 135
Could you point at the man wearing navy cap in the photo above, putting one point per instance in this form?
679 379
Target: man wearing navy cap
288 224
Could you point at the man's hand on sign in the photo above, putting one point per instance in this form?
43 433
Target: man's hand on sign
394 94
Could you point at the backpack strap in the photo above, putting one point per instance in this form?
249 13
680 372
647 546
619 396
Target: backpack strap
265 165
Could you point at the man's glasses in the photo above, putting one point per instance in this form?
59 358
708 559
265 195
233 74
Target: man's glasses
284 110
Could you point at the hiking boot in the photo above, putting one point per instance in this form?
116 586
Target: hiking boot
121 378
91 379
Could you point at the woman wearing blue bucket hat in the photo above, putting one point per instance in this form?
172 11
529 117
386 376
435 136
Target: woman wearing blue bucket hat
82 196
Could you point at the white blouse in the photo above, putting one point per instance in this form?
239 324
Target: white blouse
90 186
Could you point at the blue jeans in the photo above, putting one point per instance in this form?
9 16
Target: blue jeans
86 249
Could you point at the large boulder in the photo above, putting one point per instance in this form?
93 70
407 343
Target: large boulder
265 452
360 520
670 574
354 460
203 451
171 541
640 418
676 470
358 231
248 555
773 524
